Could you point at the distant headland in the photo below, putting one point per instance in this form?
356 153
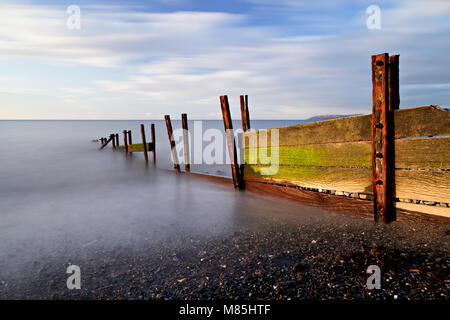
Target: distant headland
331 116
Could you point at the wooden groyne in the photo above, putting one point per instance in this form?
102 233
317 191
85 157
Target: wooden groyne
393 160
398 159
128 146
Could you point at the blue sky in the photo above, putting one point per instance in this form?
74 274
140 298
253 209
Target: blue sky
144 59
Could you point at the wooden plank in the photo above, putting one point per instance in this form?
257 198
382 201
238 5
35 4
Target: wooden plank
419 208
324 201
412 122
353 180
137 147
349 154
421 122
423 185
417 153
348 129
423 153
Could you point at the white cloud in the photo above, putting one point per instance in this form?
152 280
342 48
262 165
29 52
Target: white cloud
185 60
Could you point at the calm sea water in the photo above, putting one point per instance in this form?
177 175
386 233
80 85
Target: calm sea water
59 192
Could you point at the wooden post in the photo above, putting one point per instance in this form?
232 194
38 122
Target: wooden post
228 125
187 161
125 141
106 141
117 140
382 140
394 83
130 142
153 143
144 143
113 137
244 113
172 143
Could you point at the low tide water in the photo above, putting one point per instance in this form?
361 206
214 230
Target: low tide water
58 191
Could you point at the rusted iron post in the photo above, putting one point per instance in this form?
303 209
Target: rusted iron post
113 138
130 141
144 143
153 143
173 148
382 138
106 141
184 123
394 83
244 113
228 125
125 141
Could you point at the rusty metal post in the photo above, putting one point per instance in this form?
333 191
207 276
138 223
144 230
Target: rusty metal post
130 142
106 141
144 143
244 113
153 143
173 148
394 83
382 138
113 137
125 141
228 125
187 161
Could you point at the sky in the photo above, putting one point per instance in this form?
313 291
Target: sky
145 59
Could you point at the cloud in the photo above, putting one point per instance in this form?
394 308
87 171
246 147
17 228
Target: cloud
182 61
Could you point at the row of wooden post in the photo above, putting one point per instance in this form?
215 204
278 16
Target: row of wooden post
184 124
386 99
127 141
237 171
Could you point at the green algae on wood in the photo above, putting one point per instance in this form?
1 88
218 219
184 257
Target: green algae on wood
354 154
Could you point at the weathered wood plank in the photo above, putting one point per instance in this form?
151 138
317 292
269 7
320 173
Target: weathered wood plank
417 153
423 185
412 122
324 201
138 147
354 180
350 154
423 153
421 122
419 208
355 128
